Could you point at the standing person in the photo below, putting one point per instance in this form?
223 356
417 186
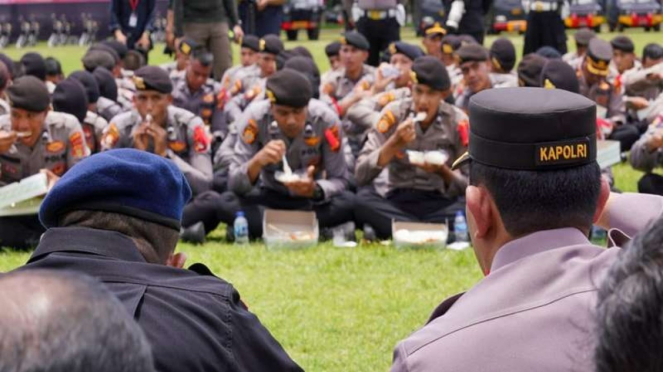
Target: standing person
261 17
466 17
132 22
544 26
534 309
380 22
208 23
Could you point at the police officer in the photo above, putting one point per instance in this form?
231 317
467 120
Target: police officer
54 73
544 25
582 38
645 79
475 67
196 92
432 41
450 44
183 49
333 52
289 124
415 192
248 58
261 17
466 17
646 157
107 106
380 22
34 139
502 60
158 127
33 64
623 57
116 217
529 70
541 271
557 74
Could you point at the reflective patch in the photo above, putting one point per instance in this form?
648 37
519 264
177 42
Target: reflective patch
250 132
312 141
111 136
333 138
200 140
55 146
77 145
177 146
386 122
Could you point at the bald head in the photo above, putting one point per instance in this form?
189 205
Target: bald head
58 321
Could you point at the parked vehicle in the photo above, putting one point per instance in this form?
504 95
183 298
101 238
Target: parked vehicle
585 13
507 16
638 13
302 15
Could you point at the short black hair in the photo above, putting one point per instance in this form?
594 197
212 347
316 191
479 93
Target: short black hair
134 60
78 327
630 307
204 57
531 201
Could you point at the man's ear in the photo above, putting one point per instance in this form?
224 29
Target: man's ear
604 195
479 204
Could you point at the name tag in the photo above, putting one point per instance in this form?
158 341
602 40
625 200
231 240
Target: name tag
563 152
133 20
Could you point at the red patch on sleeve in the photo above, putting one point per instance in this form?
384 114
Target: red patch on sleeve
332 137
464 132
200 140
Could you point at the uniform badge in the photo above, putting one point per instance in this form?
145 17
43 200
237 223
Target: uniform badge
139 82
55 146
385 99
447 49
386 122
58 169
208 98
270 96
328 89
89 136
548 84
413 77
251 94
392 49
365 85
111 136
250 132
312 141
200 139
177 146
262 44
332 137
77 145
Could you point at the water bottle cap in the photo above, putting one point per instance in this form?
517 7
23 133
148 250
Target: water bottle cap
459 213
240 214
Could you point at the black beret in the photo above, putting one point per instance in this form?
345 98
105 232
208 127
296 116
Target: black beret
583 36
333 49
53 66
356 40
450 44
558 74
599 54
89 83
652 51
271 44
467 39
410 51
531 129
33 64
307 67
252 42
9 63
623 43
98 58
302 51
106 82
503 54
5 77
472 53
29 93
119 48
187 46
549 52
70 97
153 78
283 57
430 71
289 88
529 70
106 48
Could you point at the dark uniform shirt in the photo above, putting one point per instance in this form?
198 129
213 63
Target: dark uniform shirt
61 146
193 320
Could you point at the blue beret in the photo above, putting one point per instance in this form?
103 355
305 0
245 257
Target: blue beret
125 181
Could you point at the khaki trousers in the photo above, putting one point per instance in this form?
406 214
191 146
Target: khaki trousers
214 36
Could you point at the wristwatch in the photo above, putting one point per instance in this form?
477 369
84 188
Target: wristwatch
318 194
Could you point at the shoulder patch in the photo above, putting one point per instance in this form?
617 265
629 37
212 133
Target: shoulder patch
386 99
463 129
333 138
201 140
250 132
110 137
77 145
386 122
55 146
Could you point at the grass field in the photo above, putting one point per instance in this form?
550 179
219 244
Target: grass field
336 309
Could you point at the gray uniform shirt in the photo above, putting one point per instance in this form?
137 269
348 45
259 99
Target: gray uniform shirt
442 134
643 159
108 109
637 84
188 143
202 103
61 146
93 127
320 144
607 99
534 311
366 112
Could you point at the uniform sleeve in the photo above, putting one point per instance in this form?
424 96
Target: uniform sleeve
632 213
367 162
233 109
245 149
458 186
617 110
231 12
333 154
641 158
364 113
199 169
399 363
253 347
225 153
78 149
114 23
636 81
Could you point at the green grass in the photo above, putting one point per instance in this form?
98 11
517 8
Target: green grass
335 309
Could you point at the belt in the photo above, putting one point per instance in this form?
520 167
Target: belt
540 6
377 15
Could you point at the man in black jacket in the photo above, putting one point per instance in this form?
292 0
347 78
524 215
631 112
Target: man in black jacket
106 218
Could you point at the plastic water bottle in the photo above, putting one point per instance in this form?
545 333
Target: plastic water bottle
241 229
460 227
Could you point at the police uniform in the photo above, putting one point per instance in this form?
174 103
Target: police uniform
469 53
61 146
647 158
188 139
193 320
185 47
545 26
469 20
202 103
530 310
319 145
332 49
582 38
249 42
503 59
529 70
412 194
557 74
450 44
380 22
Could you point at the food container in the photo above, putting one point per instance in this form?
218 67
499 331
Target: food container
289 229
293 177
419 235
439 157
24 197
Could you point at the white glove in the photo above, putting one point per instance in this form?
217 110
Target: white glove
400 14
456 13
356 12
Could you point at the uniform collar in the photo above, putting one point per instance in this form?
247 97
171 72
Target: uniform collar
537 242
85 240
